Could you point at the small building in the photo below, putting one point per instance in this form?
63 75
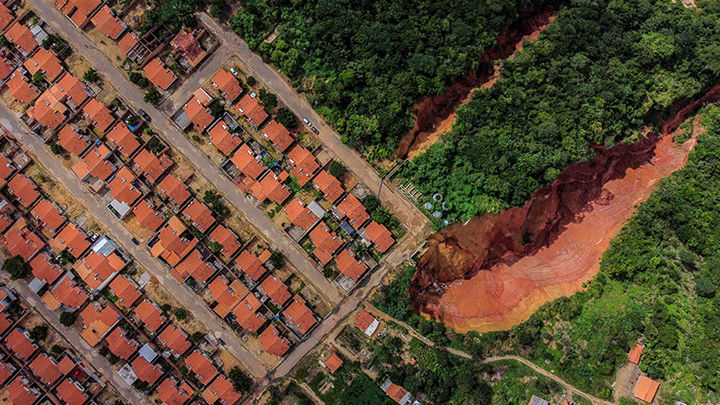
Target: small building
646 389
300 215
328 185
246 314
147 217
198 114
326 243
250 108
71 91
20 35
21 392
152 166
125 141
635 353
72 139
44 269
98 114
201 365
226 238
248 164
175 339
538 401
21 89
97 322
108 23
278 135
174 189
353 210
223 139
145 371
22 241
66 294
195 266
333 363
273 343
271 188
124 187
350 266
299 316
20 345
45 62
172 392
227 84
120 345
304 164
24 190
96 165
397 393
186 45
221 391
159 75
98 270
366 323
149 315
227 294
379 235
199 215
276 291
125 291
172 243
128 43
45 370
250 265
72 239
47 215
6 17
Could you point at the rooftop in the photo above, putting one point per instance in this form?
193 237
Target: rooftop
172 244
23 189
175 339
244 159
275 289
198 114
273 343
48 215
196 267
72 239
225 141
349 265
201 366
159 75
379 235
97 322
120 345
646 389
126 142
171 392
352 209
300 215
304 164
174 189
71 139
153 166
271 188
246 314
251 265
199 214
252 110
44 61
299 314
227 238
227 294
329 185
150 315
147 217
227 84
122 187
124 290
278 135
221 390
98 114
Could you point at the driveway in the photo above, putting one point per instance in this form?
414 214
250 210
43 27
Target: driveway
120 234
180 143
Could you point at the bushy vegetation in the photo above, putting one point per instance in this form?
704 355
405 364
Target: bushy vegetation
597 74
369 61
657 281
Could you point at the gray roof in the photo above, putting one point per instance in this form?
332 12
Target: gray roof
316 209
147 352
538 401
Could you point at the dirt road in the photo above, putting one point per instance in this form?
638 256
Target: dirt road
180 143
120 234
408 214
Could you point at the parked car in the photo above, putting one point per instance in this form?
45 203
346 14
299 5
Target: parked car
316 131
144 115
135 241
307 122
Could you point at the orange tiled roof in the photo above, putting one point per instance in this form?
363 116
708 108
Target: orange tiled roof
174 189
126 142
86 6
6 167
147 217
96 270
97 322
353 209
44 61
326 243
72 140
6 17
270 188
349 265
379 235
128 42
67 293
635 353
45 369
646 389
47 215
199 214
171 392
272 342
200 365
22 90
43 268
329 185
304 164
226 294
363 320
250 264
194 266
48 111
221 390
246 314
122 189
145 371
72 239
175 339
7 369
20 345
202 96
70 393
110 25
24 190
70 90
333 363
120 345
278 135
19 240
22 394
396 392
98 114
252 110
159 75
191 50
225 141
6 68
124 290
300 215
95 164
227 84
198 114
227 238
21 36
275 289
244 159
152 166
172 246
298 313
150 315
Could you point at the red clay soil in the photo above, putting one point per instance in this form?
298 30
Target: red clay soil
434 115
497 269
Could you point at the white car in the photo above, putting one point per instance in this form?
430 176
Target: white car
307 122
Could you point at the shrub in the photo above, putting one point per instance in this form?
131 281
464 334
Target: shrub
68 318
39 333
16 266
240 381
180 314
196 337
152 96
277 259
250 81
56 148
337 169
287 118
91 75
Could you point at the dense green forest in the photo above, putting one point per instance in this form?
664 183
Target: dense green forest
659 281
364 63
598 73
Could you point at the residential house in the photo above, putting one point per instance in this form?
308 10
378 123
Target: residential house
128 43
78 11
125 291
326 243
271 188
351 209
278 135
300 215
123 189
174 189
646 389
175 339
304 164
196 267
250 265
333 363
20 345
66 294
329 185
227 84
226 294
379 235
71 91
273 343
72 239
276 291
98 114
7 369
223 139
96 165
149 315
21 392
125 141
366 323
21 89
221 391
244 159
120 345
44 61
159 75
72 139
251 109
98 270
227 239
350 266
145 371
147 217
97 322
24 190
20 35
397 393
6 66
635 353
198 114
71 392
44 269
299 315
172 392
201 365
22 241
6 17
108 23
188 48
173 242
48 111
199 215
151 165
247 315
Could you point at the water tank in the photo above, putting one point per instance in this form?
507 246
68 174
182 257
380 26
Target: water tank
437 214
437 197
428 206
445 206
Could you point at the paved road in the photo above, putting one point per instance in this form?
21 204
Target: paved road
206 71
99 362
408 214
120 234
180 143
